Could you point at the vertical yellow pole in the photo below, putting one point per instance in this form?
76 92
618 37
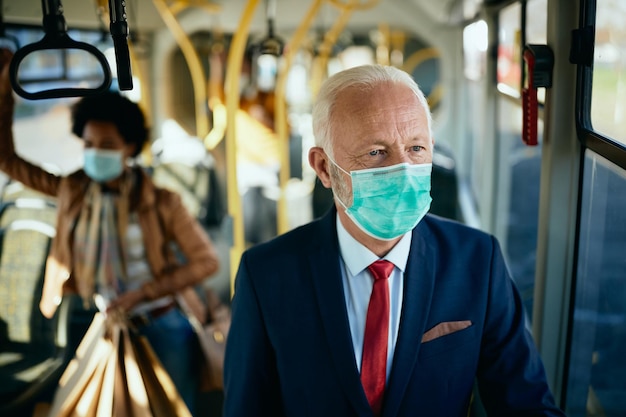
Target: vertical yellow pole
330 38
282 129
280 110
347 7
233 73
194 64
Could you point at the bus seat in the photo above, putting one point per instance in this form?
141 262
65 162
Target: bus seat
32 347
444 184
33 207
12 190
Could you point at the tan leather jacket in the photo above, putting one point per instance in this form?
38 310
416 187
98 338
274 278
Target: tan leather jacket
162 218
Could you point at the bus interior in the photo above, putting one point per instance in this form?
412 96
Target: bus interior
529 107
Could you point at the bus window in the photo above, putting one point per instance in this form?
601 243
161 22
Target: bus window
536 30
596 385
596 367
608 98
518 165
536 22
519 168
509 55
57 68
41 128
472 159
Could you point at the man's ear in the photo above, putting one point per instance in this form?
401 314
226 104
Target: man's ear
319 162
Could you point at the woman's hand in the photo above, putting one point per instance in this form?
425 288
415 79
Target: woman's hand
128 300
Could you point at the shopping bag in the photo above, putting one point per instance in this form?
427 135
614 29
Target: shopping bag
165 401
212 335
116 373
83 371
212 338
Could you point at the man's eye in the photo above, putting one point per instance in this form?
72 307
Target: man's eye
374 153
417 148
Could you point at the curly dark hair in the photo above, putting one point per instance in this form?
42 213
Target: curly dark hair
115 108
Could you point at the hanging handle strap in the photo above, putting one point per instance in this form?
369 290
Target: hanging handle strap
538 64
119 33
56 37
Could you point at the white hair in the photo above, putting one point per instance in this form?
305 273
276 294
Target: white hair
364 77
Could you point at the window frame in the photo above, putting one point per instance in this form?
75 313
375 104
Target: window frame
588 137
598 143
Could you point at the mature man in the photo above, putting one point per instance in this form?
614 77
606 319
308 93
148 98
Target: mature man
378 308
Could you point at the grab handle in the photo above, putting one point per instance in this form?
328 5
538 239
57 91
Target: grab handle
56 37
119 33
538 64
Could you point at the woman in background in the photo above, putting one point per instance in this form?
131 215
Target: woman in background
115 227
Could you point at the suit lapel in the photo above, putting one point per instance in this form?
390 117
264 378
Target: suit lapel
325 267
419 282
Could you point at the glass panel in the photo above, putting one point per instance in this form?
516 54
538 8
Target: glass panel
475 42
61 67
60 152
596 385
475 142
42 134
518 197
40 65
509 39
82 65
536 30
537 22
519 166
608 98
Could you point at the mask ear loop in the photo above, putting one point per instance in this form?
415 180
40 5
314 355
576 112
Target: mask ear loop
345 207
337 165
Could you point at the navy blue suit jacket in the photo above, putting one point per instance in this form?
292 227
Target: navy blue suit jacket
289 350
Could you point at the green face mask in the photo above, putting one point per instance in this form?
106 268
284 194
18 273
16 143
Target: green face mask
387 202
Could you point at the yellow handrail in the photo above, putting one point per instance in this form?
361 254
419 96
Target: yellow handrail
354 4
416 59
280 118
330 37
220 120
233 72
194 64
216 103
280 109
213 135
180 5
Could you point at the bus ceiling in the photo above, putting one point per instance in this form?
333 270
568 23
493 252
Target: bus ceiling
144 16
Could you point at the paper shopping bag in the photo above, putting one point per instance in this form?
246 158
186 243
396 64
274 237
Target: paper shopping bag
116 373
83 371
165 401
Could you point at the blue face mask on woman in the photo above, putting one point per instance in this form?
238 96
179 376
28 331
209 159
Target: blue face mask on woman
102 165
389 201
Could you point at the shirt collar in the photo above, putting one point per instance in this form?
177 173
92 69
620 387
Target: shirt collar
357 257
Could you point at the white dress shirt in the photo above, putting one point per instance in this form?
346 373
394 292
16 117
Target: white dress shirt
358 283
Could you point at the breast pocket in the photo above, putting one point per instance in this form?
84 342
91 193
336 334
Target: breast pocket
445 341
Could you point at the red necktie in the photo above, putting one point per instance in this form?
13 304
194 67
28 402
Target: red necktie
374 361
